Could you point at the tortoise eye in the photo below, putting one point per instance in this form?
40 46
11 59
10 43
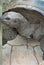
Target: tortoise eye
7 18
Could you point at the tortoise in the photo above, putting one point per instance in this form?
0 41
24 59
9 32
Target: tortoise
27 20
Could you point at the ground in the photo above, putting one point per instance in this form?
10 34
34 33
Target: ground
21 55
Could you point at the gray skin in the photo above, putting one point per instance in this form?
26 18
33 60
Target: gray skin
8 34
16 20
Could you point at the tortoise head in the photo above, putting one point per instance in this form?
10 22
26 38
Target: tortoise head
10 18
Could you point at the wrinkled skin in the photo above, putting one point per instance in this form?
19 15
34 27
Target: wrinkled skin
16 20
8 34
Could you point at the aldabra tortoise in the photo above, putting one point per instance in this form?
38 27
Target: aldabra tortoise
28 20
